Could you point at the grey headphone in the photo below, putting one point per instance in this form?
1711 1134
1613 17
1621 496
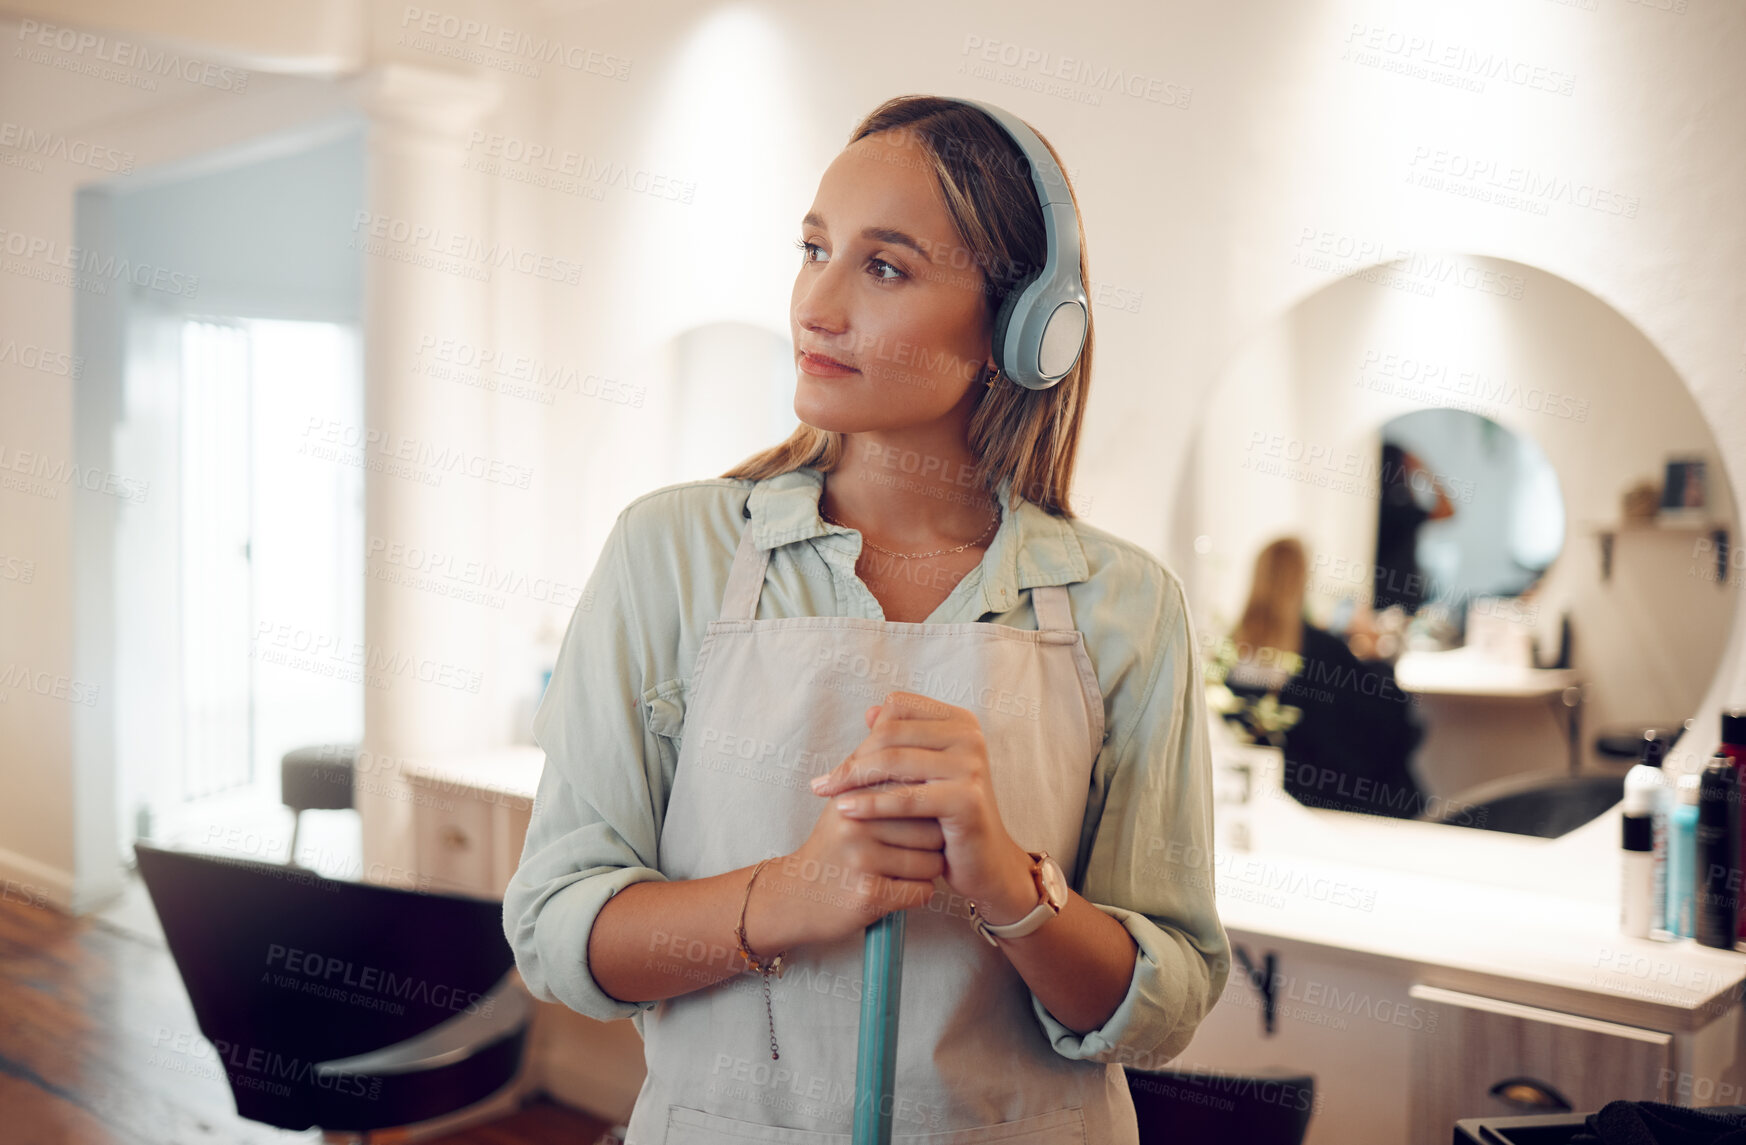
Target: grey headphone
1040 328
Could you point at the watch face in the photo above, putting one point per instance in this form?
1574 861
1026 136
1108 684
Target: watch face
1054 883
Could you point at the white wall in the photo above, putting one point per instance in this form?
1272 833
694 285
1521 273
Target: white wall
1200 212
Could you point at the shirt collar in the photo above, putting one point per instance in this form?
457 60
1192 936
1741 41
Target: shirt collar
1031 547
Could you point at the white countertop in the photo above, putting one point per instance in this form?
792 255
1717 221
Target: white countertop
1462 672
1514 944
506 774
1523 919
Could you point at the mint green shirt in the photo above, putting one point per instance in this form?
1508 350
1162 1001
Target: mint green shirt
613 714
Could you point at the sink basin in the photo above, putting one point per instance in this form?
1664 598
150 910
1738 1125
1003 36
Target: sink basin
1543 804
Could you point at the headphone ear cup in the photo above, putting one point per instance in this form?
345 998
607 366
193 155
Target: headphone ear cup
1003 318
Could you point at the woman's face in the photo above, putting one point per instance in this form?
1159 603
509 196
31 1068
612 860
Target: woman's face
887 288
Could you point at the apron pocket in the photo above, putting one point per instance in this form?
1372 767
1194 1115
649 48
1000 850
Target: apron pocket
1057 1127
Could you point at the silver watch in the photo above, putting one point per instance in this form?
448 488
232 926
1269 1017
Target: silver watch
1051 893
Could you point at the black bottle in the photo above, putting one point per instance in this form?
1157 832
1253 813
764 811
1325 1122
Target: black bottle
1718 854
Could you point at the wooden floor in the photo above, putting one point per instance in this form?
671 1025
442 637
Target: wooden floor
86 1008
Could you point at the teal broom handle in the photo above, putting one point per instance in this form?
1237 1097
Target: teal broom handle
876 1050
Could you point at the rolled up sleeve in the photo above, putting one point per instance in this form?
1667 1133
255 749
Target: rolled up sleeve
1150 862
595 825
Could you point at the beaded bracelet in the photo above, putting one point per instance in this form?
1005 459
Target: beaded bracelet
773 966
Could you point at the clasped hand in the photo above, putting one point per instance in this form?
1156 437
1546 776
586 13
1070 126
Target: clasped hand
912 803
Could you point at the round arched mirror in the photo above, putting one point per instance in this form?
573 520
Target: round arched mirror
1450 540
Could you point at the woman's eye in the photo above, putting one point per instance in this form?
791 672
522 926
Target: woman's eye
807 248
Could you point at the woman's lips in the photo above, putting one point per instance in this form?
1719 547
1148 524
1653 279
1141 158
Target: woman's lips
824 367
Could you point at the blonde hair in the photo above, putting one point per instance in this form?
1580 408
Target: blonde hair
1031 436
1273 617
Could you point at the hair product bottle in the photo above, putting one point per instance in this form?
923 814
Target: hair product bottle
1733 748
1718 854
1653 791
1682 858
1637 860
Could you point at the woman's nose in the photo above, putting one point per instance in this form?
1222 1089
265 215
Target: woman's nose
819 299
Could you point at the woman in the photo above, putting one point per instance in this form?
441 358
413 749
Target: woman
1397 578
844 679
1347 749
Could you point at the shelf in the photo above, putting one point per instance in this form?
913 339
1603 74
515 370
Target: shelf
1607 533
1654 525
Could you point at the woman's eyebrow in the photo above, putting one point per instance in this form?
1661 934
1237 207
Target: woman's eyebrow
883 234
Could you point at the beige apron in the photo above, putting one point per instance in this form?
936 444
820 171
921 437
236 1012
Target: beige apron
775 702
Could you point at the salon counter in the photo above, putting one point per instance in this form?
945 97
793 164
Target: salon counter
1425 973
1537 949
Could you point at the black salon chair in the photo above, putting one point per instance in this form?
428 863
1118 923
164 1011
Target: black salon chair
1174 1107
339 1004
316 778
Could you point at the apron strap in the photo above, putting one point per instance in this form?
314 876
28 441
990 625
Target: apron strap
739 601
1052 608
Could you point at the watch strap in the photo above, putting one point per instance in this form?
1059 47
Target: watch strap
1041 913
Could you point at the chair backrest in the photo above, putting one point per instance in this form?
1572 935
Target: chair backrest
1267 1108
286 968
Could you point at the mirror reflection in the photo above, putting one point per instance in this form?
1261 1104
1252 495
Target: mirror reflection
1452 554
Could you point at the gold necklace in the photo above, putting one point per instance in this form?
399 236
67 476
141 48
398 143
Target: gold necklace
918 556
